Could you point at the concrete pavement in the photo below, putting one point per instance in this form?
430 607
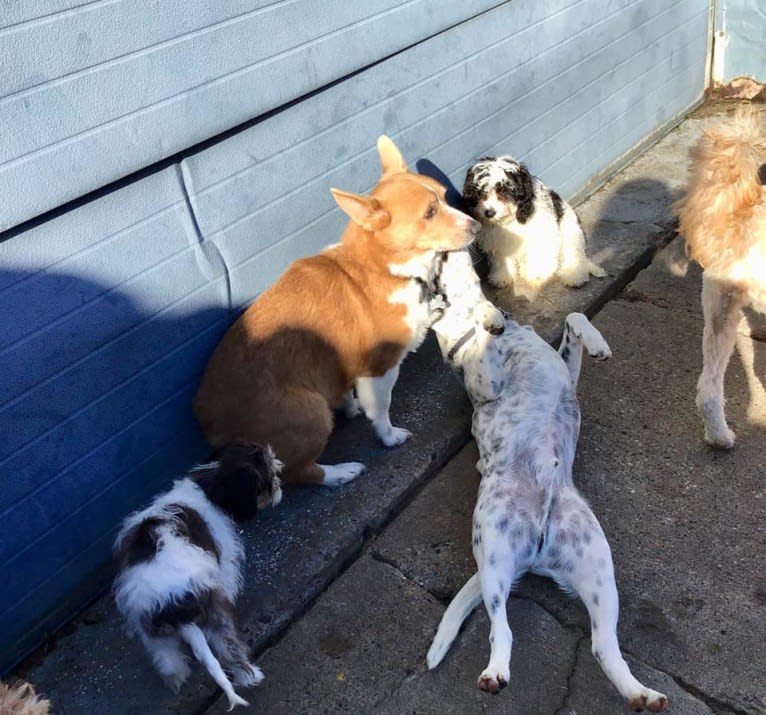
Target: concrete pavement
345 587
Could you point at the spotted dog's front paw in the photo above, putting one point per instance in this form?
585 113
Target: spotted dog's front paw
492 681
591 338
649 700
600 351
490 318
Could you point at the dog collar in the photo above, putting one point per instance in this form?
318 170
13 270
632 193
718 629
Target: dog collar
455 349
429 289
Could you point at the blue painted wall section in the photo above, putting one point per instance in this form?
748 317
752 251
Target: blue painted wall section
744 22
161 164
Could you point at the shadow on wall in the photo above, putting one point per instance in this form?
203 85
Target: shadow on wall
454 195
94 418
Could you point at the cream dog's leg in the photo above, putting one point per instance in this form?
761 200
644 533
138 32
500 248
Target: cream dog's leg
721 305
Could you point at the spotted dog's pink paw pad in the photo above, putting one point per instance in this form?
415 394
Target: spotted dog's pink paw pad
491 683
651 701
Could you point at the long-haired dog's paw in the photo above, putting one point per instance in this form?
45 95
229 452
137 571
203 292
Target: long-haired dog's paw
499 281
574 279
174 680
248 676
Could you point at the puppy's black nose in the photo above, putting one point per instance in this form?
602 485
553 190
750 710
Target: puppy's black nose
490 212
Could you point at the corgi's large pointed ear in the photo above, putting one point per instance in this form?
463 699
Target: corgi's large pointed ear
365 211
390 157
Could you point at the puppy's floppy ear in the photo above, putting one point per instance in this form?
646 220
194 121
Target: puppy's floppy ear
471 192
365 211
390 157
523 193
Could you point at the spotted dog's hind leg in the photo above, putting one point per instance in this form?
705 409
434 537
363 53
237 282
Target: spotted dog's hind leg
578 557
578 333
496 574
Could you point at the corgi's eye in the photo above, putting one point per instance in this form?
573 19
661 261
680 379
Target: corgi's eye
430 212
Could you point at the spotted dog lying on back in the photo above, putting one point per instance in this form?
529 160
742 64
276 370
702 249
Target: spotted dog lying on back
180 563
530 233
529 516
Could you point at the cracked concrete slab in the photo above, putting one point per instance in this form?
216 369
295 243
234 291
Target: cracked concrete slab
361 648
358 643
586 696
543 656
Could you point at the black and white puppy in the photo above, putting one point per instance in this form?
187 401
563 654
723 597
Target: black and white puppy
531 234
529 516
180 566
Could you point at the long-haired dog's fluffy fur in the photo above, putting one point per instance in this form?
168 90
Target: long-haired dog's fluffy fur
20 698
529 515
722 217
180 563
531 234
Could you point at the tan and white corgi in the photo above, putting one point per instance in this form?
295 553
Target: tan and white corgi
341 320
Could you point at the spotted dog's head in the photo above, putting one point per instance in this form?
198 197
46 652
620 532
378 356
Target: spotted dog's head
242 478
499 190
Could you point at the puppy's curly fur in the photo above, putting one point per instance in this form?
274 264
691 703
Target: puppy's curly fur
20 698
722 218
530 234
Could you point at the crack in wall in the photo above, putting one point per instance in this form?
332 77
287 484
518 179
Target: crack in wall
209 256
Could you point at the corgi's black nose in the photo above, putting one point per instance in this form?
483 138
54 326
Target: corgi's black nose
490 212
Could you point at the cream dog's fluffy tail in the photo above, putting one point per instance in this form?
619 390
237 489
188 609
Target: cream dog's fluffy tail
459 609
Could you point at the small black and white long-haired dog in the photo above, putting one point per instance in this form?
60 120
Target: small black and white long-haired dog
531 234
180 566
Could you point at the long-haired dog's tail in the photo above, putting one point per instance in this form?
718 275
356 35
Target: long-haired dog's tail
194 636
459 609
724 188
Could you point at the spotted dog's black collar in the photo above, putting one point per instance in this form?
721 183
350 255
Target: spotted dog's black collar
460 343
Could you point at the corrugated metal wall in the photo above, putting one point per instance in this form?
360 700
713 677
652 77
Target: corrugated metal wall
217 129
743 44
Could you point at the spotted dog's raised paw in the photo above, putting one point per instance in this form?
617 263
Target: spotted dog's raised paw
490 318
